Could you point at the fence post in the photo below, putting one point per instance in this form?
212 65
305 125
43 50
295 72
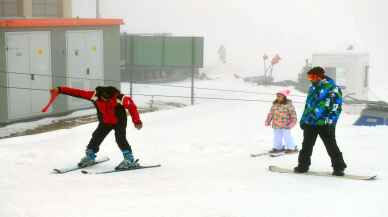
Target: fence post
131 65
192 85
192 69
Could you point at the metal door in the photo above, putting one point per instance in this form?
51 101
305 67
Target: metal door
19 82
76 66
40 69
94 64
85 62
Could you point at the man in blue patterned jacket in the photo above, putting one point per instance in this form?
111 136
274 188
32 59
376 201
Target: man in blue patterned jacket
322 110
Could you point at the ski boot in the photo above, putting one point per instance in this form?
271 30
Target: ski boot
128 162
275 151
89 159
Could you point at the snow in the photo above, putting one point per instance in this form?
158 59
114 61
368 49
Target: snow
206 169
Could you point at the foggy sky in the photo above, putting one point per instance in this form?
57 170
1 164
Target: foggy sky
250 28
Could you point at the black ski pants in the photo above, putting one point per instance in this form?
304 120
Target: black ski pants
103 130
327 134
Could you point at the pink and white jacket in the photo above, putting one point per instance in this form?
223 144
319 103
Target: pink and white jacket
282 116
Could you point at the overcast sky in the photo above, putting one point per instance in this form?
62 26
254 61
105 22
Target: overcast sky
250 28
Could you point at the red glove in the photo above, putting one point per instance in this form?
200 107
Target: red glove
53 95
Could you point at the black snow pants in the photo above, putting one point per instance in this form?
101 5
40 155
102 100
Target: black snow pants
103 130
327 134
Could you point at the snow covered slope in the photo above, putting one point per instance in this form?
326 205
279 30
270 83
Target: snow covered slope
206 169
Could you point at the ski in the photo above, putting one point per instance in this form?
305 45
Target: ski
278 154
320 173
282 154
260 154
115 171
76 167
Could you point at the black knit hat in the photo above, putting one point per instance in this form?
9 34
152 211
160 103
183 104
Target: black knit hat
106 92
317 70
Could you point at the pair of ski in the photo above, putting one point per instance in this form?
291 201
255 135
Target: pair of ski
98 161
278 154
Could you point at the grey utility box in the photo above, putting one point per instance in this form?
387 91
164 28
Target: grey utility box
38 54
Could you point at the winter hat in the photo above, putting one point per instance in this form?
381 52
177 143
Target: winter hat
106 92
285 92
317 71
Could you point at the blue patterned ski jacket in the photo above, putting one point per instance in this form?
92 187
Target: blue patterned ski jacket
323 104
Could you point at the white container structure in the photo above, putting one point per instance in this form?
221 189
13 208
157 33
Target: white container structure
350 71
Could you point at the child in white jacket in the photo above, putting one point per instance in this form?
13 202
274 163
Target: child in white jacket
282 116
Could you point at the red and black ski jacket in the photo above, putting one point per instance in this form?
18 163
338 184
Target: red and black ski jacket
109 111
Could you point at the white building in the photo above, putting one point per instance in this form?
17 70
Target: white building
349 69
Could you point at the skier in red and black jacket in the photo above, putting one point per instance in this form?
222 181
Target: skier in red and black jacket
110 105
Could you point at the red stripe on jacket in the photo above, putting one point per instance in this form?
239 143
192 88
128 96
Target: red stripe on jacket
107 109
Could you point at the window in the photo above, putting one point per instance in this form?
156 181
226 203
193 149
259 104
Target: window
10 8
46 8
366 79
340 77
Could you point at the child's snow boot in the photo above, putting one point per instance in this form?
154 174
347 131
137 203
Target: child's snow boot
290 151
274 151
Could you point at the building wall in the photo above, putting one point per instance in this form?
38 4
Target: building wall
111 50
11 8
354 71
111 53
3 81
67 8
27 8
36 8
58 52
160 58
47 8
